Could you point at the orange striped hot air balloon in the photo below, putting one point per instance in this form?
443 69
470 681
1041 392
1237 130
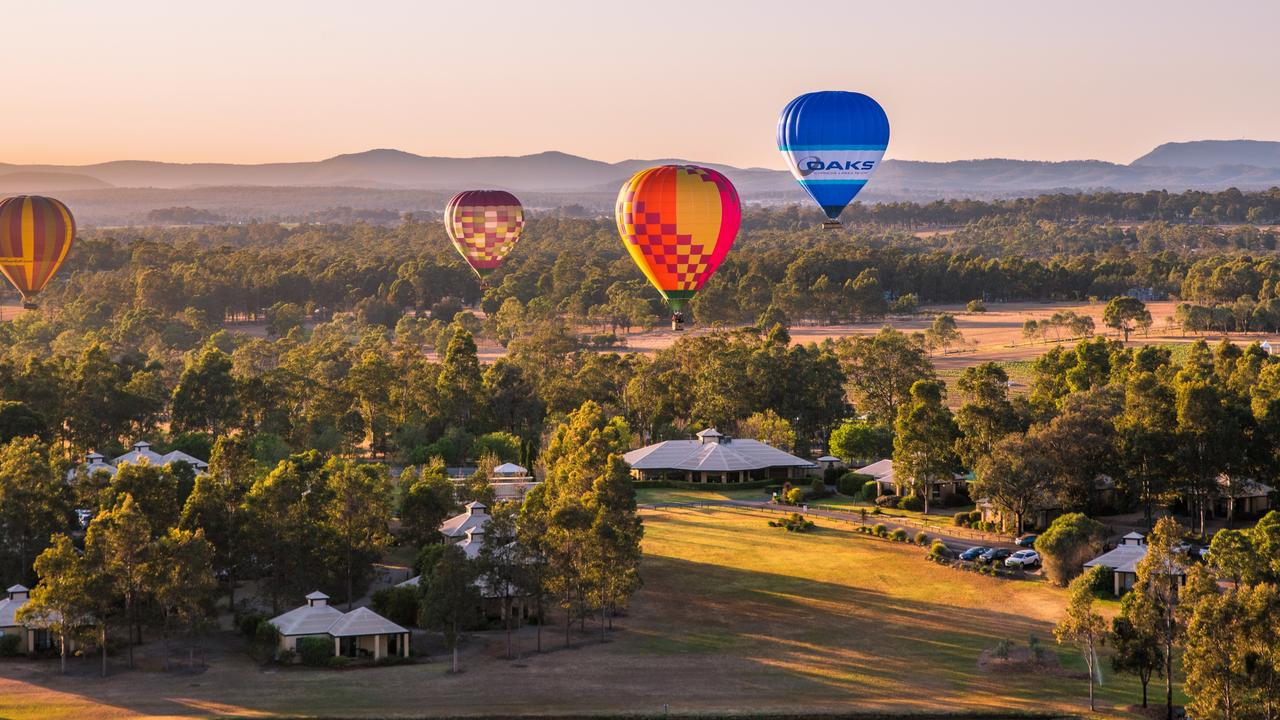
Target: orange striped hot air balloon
678 222
35 235
484 226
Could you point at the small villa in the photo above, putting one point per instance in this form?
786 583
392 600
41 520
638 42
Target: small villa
511 482
360 633
474 517
35 637
715 458
1241 497
141 453
1123 562
881 472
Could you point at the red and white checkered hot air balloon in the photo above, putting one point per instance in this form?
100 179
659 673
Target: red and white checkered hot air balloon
484 226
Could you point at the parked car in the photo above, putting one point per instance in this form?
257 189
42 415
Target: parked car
1026 541
973 553
1023 559
994 555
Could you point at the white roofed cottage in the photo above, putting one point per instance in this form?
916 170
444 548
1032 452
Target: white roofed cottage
715 458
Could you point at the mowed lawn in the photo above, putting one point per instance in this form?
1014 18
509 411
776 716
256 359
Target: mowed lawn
734 616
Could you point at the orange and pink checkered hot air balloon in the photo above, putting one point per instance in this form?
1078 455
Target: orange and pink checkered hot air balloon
678 222
484 226
35 234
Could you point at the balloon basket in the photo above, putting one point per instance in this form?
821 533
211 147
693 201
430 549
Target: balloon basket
832 225
28 305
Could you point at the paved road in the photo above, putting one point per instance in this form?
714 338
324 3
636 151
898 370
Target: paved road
951 540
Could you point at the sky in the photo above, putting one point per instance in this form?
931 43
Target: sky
274 81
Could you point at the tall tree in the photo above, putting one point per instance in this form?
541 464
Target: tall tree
1123 313
1137 649
881 370
180 581
63 599
450 600
359 512
1154 609
986 414
205 397
924 439
119 540
216 506
425 502
1083 625
1144 439
1017 477
1069 542
616 533
769 428
34 503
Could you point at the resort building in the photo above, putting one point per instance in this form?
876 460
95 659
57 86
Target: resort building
34 636
356 634
1123 562
140 454
887 483
715 458
511 482
473 518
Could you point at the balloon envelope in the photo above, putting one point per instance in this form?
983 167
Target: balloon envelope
484 226
678 223
833 141
35 234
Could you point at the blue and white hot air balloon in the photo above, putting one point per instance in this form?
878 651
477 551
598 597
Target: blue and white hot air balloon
833 140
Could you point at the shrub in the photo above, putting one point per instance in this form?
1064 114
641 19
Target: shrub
397 604
976 306
795 522
939 550
794 496
832 475
889 501
879 530
1037 650
266 641
852 483
247 622
1002 649
922 538
315 651
870 489
338 661
9 645
960 519
898 535
1067 544
914 503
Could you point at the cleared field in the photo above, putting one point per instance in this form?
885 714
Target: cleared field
734 616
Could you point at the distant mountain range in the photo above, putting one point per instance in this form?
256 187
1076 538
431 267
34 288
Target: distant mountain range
126 190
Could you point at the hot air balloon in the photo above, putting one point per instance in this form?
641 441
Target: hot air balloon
833 141
484 226
35 235
678 222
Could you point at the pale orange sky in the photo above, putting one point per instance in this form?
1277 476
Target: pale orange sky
273 81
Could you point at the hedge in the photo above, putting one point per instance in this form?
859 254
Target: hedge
852 483
315 651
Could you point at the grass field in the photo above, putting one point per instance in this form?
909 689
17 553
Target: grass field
733 616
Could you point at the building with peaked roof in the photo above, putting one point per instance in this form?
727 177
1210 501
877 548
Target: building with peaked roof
475 515
715 458
1123 561
358 633
881 471
511 482
1241 497
35 636
141 453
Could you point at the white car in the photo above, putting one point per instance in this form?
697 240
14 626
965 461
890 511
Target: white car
1023 559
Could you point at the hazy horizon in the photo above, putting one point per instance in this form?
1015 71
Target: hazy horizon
286 82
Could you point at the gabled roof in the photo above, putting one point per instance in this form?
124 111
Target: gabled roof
829 458
9 611
179 456
363 621
17 588
458 525
316 595
733 456
1243 487
307 620
881 470
1124 558
510 469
